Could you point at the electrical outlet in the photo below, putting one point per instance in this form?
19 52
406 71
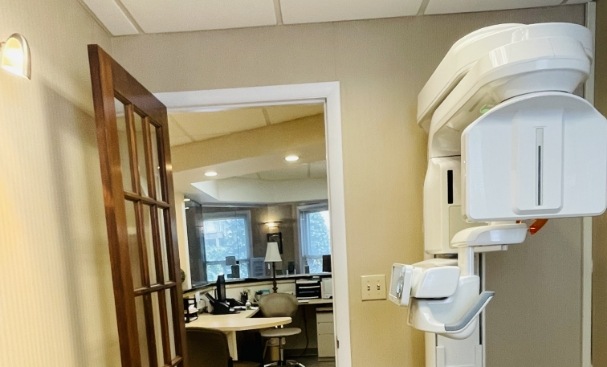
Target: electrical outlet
373 287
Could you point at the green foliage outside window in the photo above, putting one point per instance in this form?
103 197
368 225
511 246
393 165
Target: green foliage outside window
315 236
226 236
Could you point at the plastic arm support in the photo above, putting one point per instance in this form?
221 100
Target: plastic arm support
481 302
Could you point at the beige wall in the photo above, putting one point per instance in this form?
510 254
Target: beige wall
56 307
599 239
56 303
381 65
536 316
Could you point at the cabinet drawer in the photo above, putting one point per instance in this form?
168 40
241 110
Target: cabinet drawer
326 347
324 328
324 317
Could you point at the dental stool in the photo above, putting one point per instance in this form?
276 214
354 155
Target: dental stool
279 305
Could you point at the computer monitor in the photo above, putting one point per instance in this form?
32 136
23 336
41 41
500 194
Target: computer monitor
326 263
220 288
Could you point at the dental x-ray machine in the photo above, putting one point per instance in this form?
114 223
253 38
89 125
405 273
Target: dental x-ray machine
508 143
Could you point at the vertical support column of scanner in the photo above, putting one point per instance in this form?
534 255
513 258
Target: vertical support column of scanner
465 260
442 210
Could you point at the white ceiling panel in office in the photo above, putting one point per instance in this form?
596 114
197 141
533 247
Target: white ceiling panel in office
112 17
312 170
162 16
316 11
202 126
191 126
281 113
127 17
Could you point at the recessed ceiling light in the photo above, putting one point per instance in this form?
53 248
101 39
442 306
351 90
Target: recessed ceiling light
186 199
292 158
210 173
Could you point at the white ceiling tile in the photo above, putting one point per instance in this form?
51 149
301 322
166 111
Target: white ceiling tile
314 11
158 16
291 173
282 113
177 135
207 125
465 6
112 17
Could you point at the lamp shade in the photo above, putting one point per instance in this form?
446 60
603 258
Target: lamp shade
272 253
15 56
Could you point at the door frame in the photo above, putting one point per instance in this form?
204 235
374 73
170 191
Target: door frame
329 92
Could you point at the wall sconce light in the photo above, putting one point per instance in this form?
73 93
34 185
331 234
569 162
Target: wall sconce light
272 225
15 56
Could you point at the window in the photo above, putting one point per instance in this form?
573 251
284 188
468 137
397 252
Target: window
315 239
226 234
222 235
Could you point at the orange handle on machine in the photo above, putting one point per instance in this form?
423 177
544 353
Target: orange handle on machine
537 225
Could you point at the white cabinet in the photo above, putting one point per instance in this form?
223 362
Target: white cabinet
324 332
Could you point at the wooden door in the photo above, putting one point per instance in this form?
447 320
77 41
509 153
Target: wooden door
133 141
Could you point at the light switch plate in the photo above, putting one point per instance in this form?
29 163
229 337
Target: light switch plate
373 287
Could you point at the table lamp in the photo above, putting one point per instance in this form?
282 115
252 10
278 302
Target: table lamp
273 256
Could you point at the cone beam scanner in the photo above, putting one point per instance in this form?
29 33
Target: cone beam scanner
508 142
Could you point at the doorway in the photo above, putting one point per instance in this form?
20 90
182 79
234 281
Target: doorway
329 93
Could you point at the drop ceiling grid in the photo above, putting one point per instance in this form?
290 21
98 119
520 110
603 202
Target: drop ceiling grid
112 17
128 17
159 16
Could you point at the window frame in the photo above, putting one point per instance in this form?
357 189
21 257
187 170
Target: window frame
302 212
246 216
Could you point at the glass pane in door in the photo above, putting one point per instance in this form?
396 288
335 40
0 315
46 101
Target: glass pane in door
148 231
141 156
123 144
142 331
134 254
163 243
155 134
157 326
169 307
